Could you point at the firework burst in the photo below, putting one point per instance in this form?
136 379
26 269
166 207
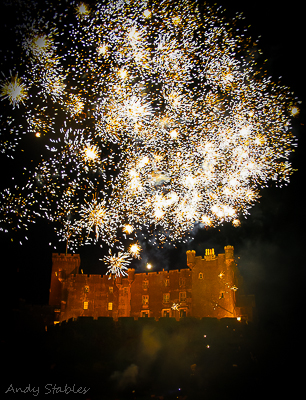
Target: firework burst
117 264
158 119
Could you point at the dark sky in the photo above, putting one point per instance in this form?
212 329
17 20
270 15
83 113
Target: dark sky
270 242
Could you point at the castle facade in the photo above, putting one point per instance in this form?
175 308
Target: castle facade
208 287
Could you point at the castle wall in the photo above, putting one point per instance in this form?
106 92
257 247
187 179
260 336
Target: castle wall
155 293
206 289
93 295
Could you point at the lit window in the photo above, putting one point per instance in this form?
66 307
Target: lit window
182 296
145 314
86 289
166 297
111 289
166 313
85 305
201 275
145 299
167 282
145 284
110 306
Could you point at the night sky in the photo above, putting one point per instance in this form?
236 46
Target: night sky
270 242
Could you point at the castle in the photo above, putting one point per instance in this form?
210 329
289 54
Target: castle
209 287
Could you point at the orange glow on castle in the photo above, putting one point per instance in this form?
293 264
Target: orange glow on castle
208 287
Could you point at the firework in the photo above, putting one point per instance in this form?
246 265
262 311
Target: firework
158 120
117 264
14 90
135 250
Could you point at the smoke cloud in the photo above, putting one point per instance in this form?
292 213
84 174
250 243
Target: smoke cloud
127 377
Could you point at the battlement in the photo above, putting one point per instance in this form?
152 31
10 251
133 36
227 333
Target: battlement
210 255
65 255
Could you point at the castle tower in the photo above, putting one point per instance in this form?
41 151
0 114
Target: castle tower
229 253
62 266
213 280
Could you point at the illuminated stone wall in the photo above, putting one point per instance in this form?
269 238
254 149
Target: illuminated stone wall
213 285
207 288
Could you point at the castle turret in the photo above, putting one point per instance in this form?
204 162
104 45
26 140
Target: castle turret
131 274
191 258
62 266
229 253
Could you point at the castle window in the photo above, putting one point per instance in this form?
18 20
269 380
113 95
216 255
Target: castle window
182 281
110 306
166 297
125 291
201 275
145 299
144 314
167 282
111 289
183 313
145 284
85 305
86 289
221 295
166 313
182 296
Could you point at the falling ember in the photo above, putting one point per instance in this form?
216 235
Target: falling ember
102 49
176 20
206 220
122 73
128 229
236 223
294 111
147 13
83 9
135 250
174 134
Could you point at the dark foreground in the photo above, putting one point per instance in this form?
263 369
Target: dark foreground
144 359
